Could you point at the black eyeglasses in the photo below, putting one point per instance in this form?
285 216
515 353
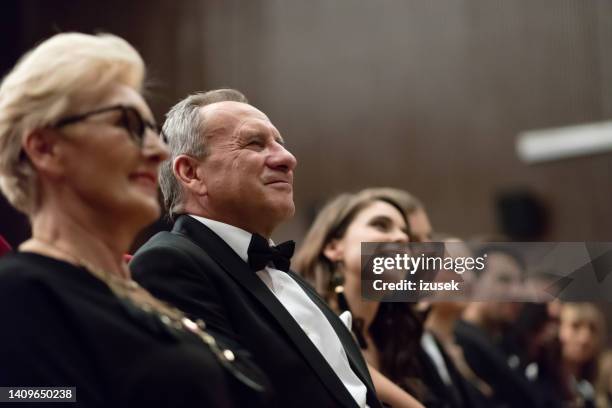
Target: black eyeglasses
131 120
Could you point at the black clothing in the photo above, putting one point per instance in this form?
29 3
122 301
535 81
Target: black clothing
458 394
65 327
196 270
431 389
488 362
261 253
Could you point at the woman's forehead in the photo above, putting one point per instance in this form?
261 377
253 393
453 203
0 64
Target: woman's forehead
576 313
380 207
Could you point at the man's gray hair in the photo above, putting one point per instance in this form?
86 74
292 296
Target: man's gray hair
184 132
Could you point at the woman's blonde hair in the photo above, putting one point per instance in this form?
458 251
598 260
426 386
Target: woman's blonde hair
43 87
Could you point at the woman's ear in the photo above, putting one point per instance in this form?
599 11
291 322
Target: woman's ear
187 170
334 250
43 149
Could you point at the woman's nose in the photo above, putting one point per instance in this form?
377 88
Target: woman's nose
154 148
400 236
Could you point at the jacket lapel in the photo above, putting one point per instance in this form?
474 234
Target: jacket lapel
348 342
350 346
225 256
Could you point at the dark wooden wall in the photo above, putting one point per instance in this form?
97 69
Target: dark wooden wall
423 95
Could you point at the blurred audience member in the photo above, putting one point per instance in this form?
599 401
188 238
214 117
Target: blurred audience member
581 335
418 220
439 340
529 345
483 323
388 333
79 154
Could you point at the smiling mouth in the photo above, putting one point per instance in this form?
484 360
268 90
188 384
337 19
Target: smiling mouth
280 184
145 179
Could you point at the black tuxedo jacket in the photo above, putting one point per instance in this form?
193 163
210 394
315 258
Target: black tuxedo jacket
195 270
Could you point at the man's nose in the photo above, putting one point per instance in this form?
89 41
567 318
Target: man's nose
282 159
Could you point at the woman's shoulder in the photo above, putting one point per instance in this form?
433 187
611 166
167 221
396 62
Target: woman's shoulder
23 268
43 281
20 271
27 264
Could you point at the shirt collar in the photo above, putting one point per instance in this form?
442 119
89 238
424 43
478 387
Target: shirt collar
237 238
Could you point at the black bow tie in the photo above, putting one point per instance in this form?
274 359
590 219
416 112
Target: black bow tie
261 253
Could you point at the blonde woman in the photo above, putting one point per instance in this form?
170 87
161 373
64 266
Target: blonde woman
79 154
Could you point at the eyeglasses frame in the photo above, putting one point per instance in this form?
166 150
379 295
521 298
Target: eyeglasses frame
138 138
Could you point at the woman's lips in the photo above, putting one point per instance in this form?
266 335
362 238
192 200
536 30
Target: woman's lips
145 179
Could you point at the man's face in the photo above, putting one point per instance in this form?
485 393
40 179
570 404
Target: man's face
248 172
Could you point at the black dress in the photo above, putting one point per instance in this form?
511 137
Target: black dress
64 327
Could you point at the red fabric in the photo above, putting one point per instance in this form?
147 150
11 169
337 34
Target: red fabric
4 246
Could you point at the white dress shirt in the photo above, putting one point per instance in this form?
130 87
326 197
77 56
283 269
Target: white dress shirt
307 315
433 351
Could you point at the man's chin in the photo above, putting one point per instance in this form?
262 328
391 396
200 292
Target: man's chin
284 210
289 211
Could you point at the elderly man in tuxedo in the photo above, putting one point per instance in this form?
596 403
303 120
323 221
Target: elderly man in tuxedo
227 186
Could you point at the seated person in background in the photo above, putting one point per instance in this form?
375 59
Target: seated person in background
330 258
445 383
79 154
482 324
581 336
228 185
420 228
439 371
530 344
439 339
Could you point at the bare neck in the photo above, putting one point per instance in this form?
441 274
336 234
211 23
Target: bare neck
79 237
361 309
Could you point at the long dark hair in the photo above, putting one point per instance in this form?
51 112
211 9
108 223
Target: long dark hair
397 328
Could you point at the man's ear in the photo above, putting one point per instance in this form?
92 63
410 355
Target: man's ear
187 170
334 251
44 151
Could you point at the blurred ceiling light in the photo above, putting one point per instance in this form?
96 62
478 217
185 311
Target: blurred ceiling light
533 146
